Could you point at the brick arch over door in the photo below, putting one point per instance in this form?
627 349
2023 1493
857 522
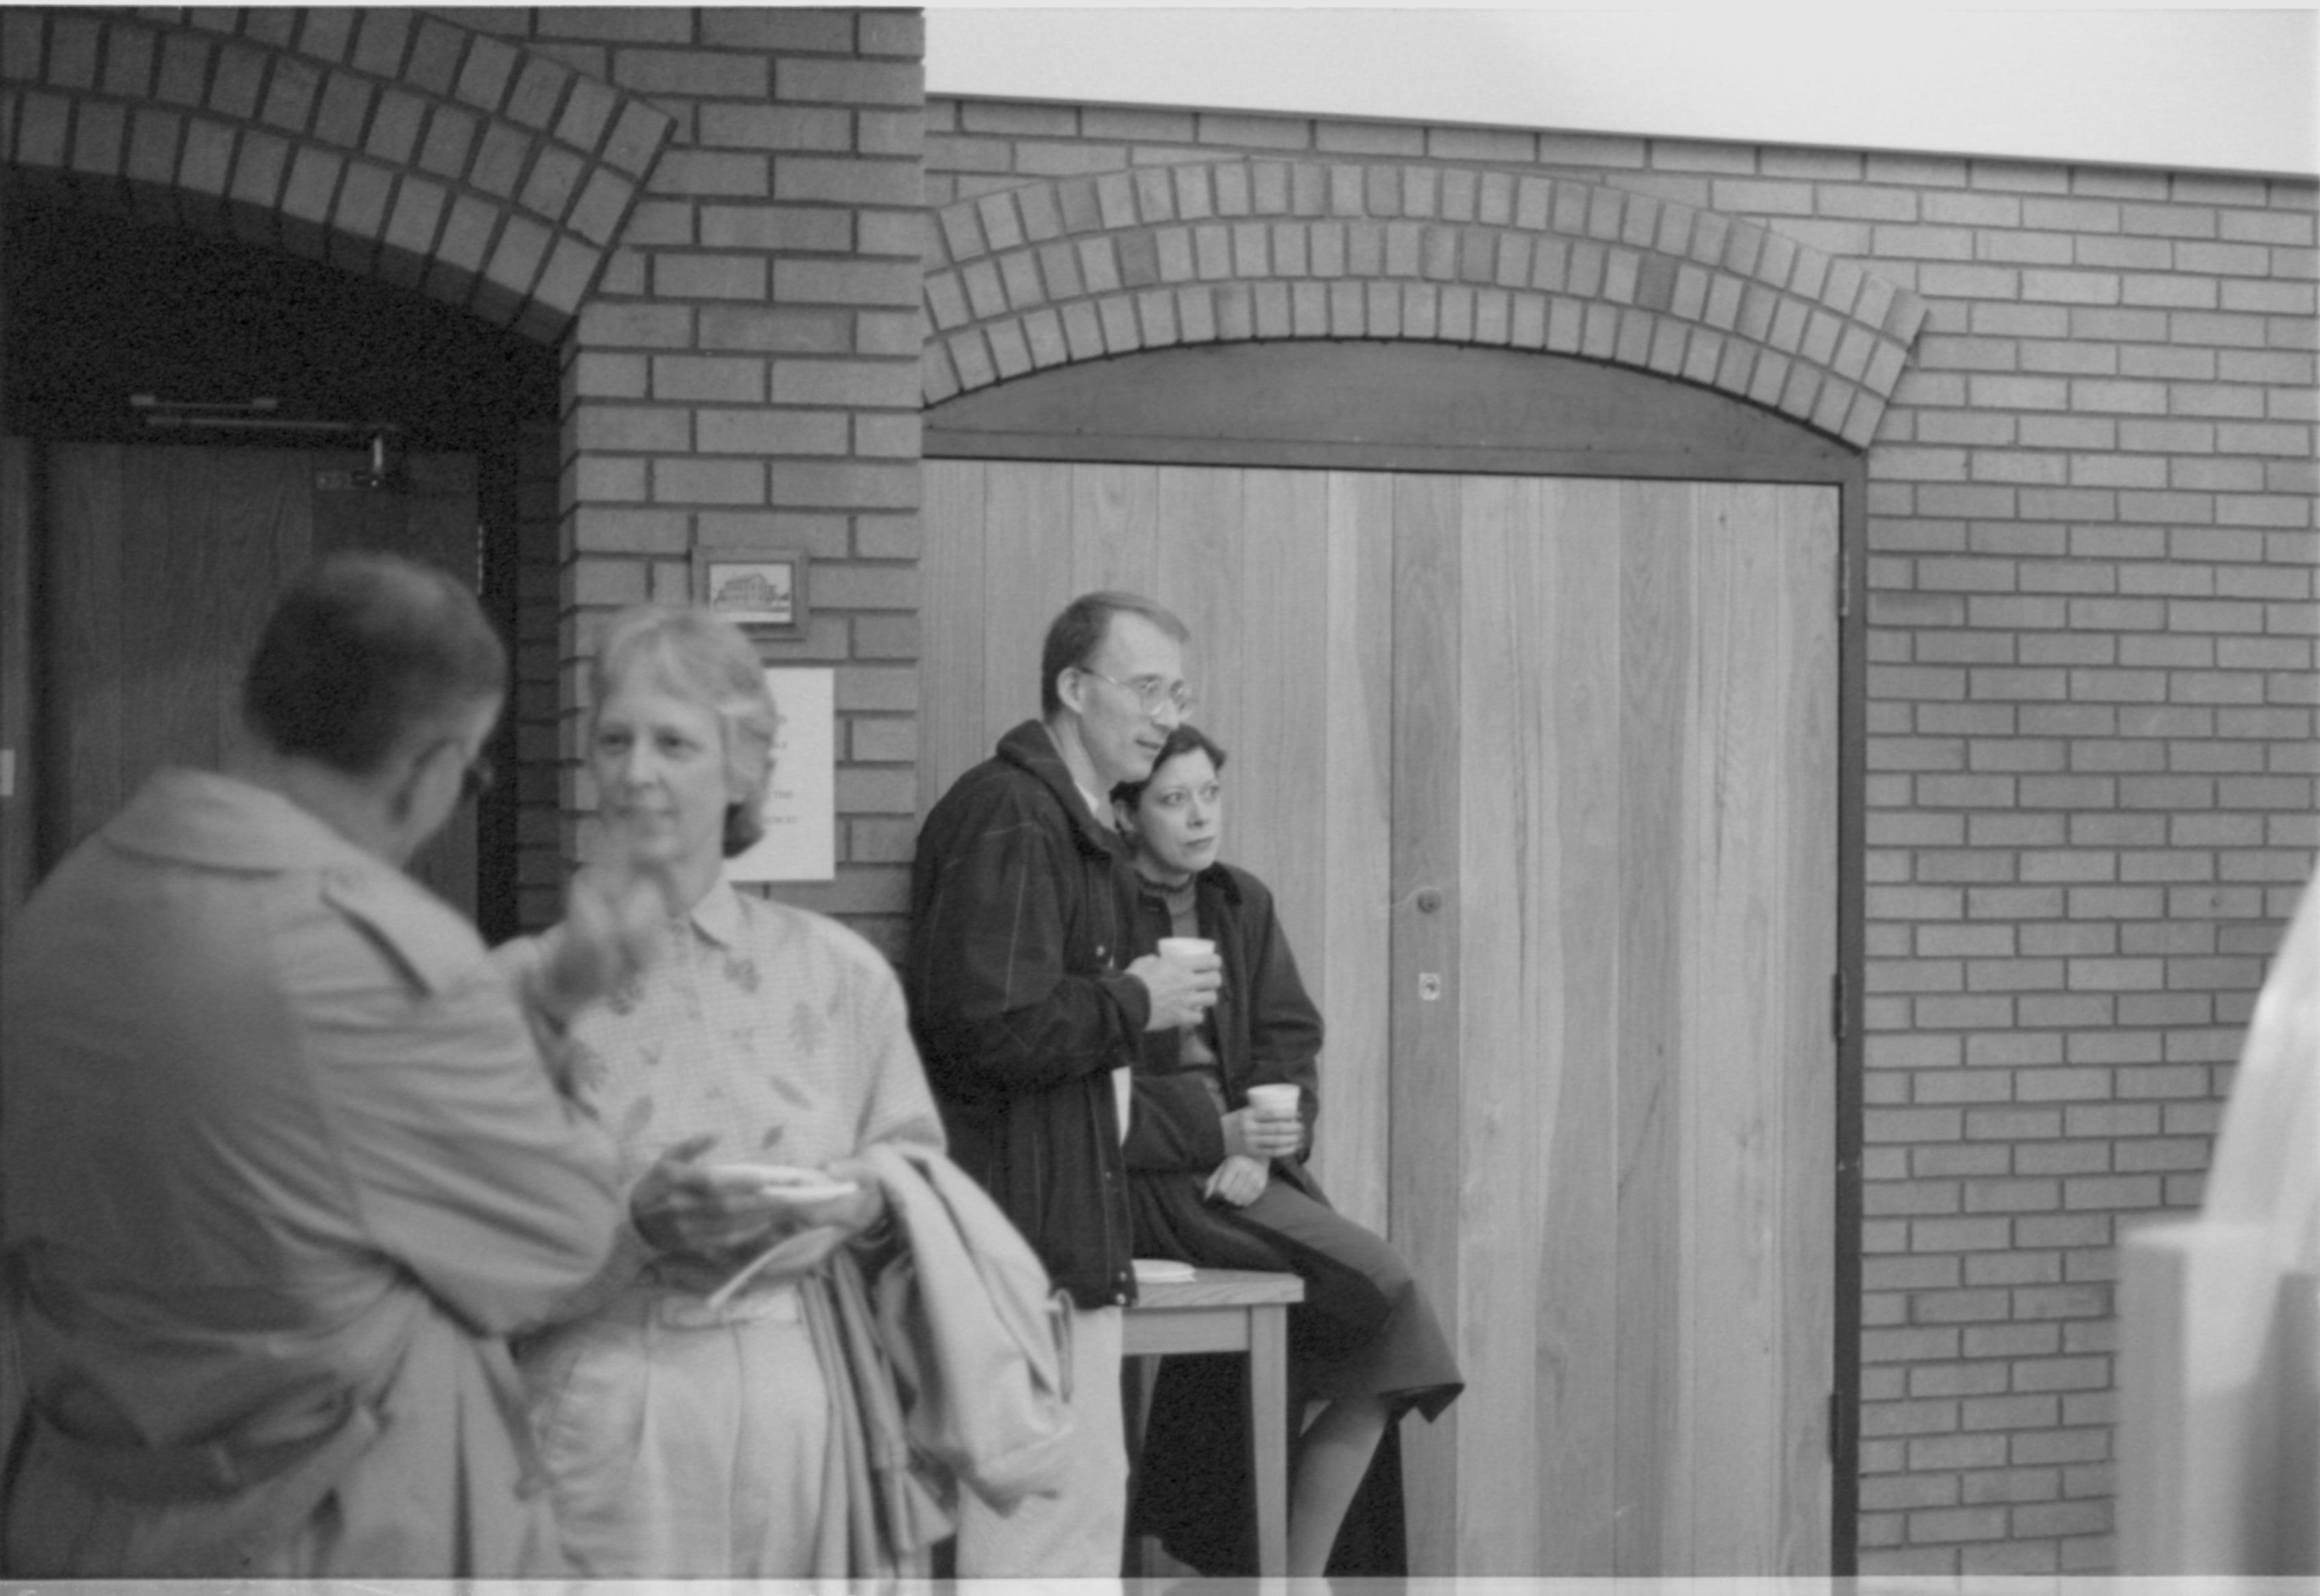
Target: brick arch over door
1080 268
393 143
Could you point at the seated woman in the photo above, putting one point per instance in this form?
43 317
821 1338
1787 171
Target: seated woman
1215 1181
688 1413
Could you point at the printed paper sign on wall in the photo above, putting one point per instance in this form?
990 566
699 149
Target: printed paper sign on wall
801 841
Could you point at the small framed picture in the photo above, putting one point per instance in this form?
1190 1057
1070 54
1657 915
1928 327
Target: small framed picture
761 591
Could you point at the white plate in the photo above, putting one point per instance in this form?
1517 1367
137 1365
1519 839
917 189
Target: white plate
784 1180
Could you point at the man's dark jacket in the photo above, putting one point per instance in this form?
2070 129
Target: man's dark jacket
1023 922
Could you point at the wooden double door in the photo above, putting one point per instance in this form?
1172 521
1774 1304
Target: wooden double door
1544 772
162 562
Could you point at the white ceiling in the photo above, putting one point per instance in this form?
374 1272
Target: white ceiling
2206 87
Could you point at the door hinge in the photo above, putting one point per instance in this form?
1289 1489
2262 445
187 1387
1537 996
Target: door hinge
1836 1005
1843 580
1835 1422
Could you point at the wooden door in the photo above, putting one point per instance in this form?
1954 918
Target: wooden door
1544 772
164 561
1614 1128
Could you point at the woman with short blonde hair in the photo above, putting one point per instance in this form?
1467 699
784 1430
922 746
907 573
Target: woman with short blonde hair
695 1413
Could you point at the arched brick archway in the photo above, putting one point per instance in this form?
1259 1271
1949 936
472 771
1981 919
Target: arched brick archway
393 143
1079 268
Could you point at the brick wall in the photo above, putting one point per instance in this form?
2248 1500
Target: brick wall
1250 248
2091 709
713 214
746 375
390 142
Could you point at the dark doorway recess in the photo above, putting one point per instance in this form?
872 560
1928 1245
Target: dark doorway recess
100 308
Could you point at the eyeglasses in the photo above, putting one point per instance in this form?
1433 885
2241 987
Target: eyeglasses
1151 692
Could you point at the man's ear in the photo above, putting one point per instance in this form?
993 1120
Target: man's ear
403 776
1071 689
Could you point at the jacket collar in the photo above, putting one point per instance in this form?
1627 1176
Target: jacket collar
1032 749
1219 878
201 816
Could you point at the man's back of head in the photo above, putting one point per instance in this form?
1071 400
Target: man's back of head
361 651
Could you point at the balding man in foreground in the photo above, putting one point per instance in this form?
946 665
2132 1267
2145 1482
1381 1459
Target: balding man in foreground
284 1160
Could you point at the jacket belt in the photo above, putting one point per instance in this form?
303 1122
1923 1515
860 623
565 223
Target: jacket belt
214 1469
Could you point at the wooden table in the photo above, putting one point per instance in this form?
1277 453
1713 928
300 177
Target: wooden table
1229 1310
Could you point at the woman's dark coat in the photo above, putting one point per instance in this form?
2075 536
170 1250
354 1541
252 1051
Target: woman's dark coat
1192 1487
1174 1141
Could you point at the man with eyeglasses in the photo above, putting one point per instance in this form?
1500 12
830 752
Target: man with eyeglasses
281 1155
1029 1009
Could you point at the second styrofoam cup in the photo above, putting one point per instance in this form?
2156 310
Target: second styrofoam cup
1274 1100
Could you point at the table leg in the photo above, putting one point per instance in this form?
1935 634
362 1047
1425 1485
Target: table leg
1268 1419
1138 1375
